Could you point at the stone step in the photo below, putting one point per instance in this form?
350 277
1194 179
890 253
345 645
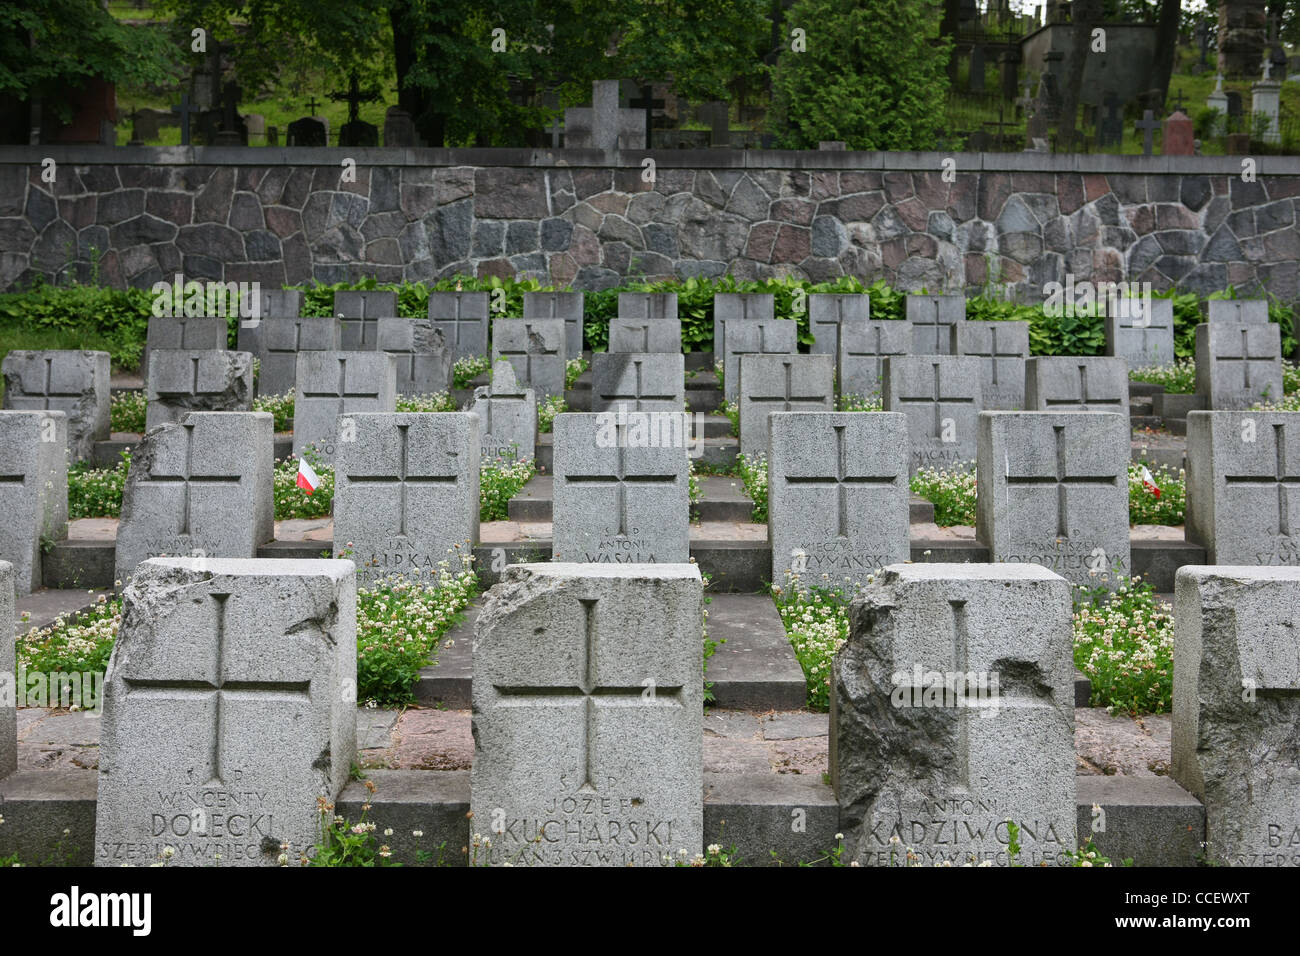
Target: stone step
1145 421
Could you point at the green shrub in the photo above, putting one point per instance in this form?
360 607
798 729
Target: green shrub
1177 378
547 410
573 369
126 411
292 501
753 472
467 369
1124 643
433 402
951 491
97 492
816 620
78 643
280 407
498 482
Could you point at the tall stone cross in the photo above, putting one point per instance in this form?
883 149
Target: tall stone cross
1062 480
1148 124
403 480
841 481
647 102
186 479
621 479
354 96
1279 479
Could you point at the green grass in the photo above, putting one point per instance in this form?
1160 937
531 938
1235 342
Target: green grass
1123 642
753 472
1178 378
498 482
96 492
951 491
816 623
126 412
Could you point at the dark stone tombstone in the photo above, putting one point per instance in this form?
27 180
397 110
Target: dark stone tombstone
357 132
398 128
233 131
1110 121
718 115
273 136
976 82
1234 109
306 132
185 111
1009 72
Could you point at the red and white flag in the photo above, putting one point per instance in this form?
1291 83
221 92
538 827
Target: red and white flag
1149 482
309 481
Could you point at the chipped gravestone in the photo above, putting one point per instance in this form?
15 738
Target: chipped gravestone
588 724
931 316
277 304
33 491
1238 365
940 395
183 381
559 305
737 307
200 488
828 313
1052 489
638 381
1237 311
647 305
1243 486
645 335
837 495
1075 383
229 710
952 712
330 384
621 492
72 382
463 319
1002 348
199 333
281 341
863 347
8 675
424 359
535 349
1140 338
507 414
360 312
754 337
1236 709
406 493
781 383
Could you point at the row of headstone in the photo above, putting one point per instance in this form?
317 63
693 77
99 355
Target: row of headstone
1238 355
73 382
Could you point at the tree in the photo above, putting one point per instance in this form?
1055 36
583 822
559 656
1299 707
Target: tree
1162 66
872 75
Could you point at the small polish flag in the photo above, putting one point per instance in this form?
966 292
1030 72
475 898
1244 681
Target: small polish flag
1148 482
309 481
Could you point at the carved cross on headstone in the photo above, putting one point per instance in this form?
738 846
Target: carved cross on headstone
1148 124
1062 479
184 110
647 102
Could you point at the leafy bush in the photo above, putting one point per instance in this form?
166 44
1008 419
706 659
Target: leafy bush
290 500
573 369
1178 378
1145 507
816 620
498 482
1124 643
73 643
951 491
433 402
467 369
97 492
280 407
87 316
547 409
753 472
126 411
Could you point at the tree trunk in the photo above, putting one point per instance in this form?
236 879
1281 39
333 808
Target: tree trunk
429 124
1084 14
1162 67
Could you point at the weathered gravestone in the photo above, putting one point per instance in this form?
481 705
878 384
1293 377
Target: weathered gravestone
406 493
645 335
837 495
1237 311
273 303
1141 338
229 710
737 307
754 337
1236 712
638 381
1243 486
1052 489
952 712
360 313
535 349
940 395
463 319
781 383
307 131
559 305
621 492
183 381
330 384
827 314
424 359
863 347
282 339
33 490
199 332
399 129
201 488
72 382
1002 348
1076 383
1238 364
507 413
604 124
588 724
931 316
647 305
8 675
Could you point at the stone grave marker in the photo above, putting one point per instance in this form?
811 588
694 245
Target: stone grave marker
559 305
424 357
33 490
645 335
952 711
281 341
535 348
837 495
647 305
1238 365
781 383
407 493
73 382
507 413
604 125
184 380
863 347
931 315
1052 489
737 307
1141 339
307 131
8 675
1243 486
360 312
229 709
200 488
199 332
330 384
940 395
621 492
463 319
1002 348
638 381
588 724
1076 383
274 303
828 313
399 130
1236 709
1237 311
755 337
